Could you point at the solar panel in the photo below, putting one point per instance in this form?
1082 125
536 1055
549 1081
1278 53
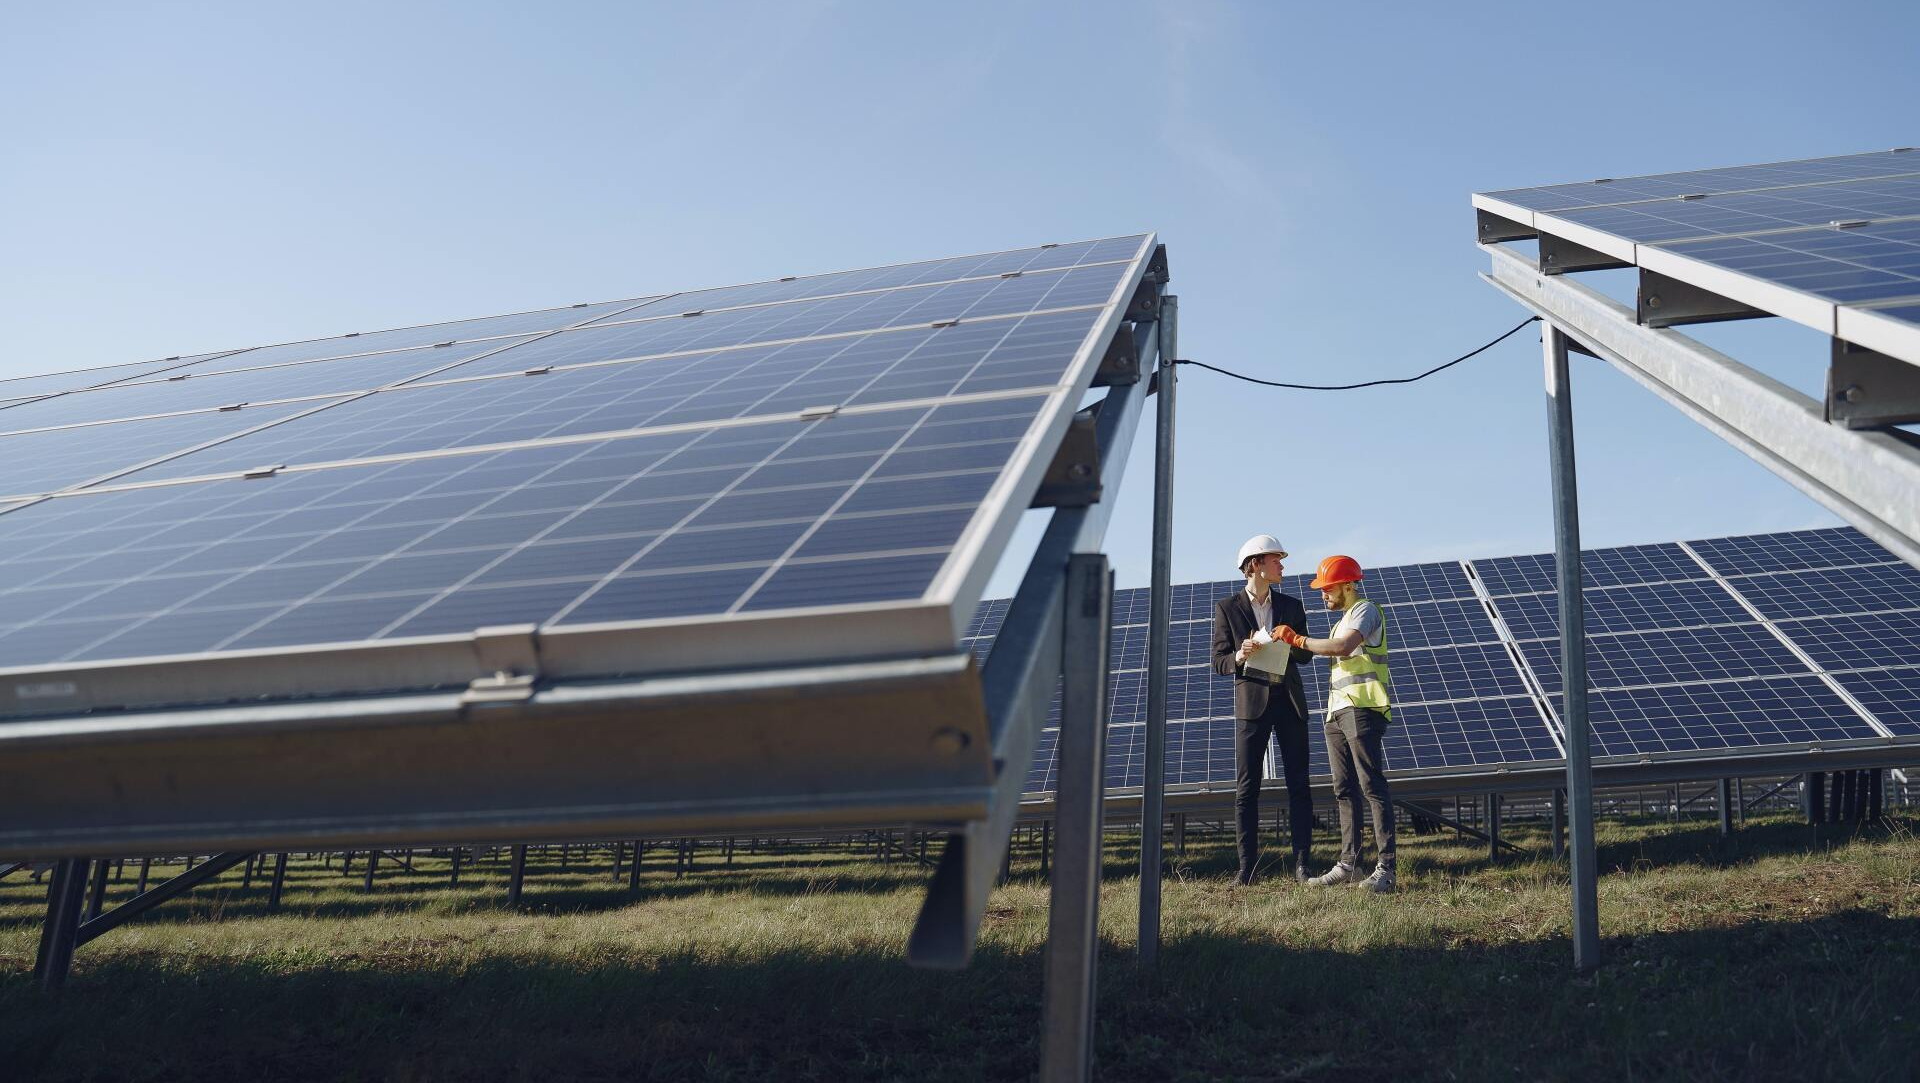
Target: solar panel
1833 591
1676 663
1811 240
751 478
1831 547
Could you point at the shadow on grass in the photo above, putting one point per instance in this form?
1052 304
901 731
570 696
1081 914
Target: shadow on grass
1757 1000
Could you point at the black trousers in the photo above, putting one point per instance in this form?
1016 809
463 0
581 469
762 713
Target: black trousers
1249 762
1355 736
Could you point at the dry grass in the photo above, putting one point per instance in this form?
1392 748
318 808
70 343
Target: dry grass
1777 954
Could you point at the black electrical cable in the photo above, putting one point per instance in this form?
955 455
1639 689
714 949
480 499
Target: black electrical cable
1369 383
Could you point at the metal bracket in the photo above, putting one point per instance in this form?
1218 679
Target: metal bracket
263 471
510 654
1073 478
1156 271
1493 228
1121 365
1866 388
1669 302
1145 305
1559 255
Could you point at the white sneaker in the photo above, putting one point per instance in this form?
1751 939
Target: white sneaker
1381 882
1342 873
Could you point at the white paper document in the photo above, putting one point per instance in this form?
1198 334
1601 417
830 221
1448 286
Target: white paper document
1271 656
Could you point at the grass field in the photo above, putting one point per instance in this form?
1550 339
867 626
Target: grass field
1778 954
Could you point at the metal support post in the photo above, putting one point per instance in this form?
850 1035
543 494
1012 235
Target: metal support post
97 891
1046 848
279 881
453 873
633 867
373 862
1153 792
58 937
1559 824
1073 924
1726 808
146 866
517 874
1180 834
1573 654
1493 827
1813 797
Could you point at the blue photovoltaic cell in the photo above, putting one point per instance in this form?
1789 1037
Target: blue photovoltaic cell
1893 695
1623 566
1426 624
1833 591
1723 715
991 264
1444 673
1643 608
700 522
1469 734
54 459
1031 351
1560 197
663 334
1410 583
1870 262
1748 212
1865 641
177 393
1830 547
1689 654
401 338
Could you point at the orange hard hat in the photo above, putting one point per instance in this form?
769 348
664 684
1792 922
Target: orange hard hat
1336 570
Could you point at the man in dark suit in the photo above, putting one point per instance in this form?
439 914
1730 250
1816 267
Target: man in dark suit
1264 706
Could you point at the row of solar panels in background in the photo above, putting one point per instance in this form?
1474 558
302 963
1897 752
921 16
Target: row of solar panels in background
1676 662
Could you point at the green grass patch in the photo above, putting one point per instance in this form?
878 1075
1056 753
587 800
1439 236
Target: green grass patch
1779 953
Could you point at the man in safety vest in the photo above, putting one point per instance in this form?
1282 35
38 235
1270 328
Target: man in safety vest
1358 713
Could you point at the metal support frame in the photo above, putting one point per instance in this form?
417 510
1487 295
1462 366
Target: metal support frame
1573 653
279 880
1017 684
1865 477
1492 840
1073 922
58 936
1866 388
1559 826
1493 827
517 874
1671 302
1160 614
1726 808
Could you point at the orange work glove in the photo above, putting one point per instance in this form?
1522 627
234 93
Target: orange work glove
1290 637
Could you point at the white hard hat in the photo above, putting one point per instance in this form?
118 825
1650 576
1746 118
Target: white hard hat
1259 545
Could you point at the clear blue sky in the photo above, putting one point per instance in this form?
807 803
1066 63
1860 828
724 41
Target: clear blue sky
191 177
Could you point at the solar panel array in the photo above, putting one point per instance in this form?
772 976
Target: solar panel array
1842 231
720 454
1695 649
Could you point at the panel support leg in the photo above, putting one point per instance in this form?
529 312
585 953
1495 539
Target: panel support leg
58 937
1073 924
517 874
1153 790
1493 827
1559 824
1726 808
1573 655
1813 797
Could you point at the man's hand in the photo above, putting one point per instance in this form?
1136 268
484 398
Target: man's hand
1247 647
1290 637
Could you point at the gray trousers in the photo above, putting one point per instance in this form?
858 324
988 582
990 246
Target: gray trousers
1354 739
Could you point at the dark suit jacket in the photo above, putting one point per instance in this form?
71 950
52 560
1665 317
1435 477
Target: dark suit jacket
1233 622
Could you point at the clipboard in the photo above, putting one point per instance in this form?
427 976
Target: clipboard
1272 655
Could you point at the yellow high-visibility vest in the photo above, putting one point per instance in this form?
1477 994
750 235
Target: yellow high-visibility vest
1361 680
